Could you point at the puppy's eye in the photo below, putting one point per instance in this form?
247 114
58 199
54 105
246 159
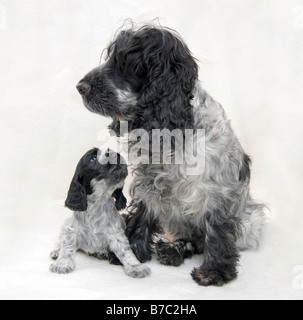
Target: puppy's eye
93 158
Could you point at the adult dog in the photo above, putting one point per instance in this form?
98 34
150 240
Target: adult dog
150 79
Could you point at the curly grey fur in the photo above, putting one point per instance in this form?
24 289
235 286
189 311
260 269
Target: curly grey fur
198 208
180 201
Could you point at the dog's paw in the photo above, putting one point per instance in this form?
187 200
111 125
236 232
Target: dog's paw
63 267
139 271
170 253
55 254
205 277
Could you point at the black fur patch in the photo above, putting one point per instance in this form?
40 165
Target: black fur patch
244 174
140 233
121 201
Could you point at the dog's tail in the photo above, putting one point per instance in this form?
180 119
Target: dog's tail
253 221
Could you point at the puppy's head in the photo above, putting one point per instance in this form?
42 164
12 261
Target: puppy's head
93 167
147 80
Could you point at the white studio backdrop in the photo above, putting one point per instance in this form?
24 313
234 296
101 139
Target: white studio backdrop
251 60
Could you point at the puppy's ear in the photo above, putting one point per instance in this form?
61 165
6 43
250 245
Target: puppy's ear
121 201
77 197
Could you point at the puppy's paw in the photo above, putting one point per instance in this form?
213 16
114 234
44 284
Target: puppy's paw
205 277
63 267
139 271
55 254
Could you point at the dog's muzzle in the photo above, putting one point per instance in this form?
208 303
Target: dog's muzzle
83 88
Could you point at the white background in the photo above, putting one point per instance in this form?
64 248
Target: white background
251 61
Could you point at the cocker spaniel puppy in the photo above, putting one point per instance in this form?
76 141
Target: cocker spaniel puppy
96 226
150 80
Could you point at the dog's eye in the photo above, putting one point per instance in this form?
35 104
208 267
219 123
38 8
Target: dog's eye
93 158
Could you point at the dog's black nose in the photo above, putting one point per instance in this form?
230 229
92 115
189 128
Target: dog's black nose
83 88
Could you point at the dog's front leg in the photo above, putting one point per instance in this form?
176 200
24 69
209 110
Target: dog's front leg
119 245
66 259
221 252
140 227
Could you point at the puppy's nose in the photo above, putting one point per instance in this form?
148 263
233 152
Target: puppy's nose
83 88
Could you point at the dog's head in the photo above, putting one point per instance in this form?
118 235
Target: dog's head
93 167
147 80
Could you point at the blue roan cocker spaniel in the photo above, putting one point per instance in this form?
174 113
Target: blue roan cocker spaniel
150 80
96 227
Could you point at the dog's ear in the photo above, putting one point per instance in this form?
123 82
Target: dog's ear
77 197
171 74
121 201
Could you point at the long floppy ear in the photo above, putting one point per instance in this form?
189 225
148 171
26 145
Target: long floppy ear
165 101
121 201
77 197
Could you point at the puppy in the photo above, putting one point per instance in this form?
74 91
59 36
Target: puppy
96 226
